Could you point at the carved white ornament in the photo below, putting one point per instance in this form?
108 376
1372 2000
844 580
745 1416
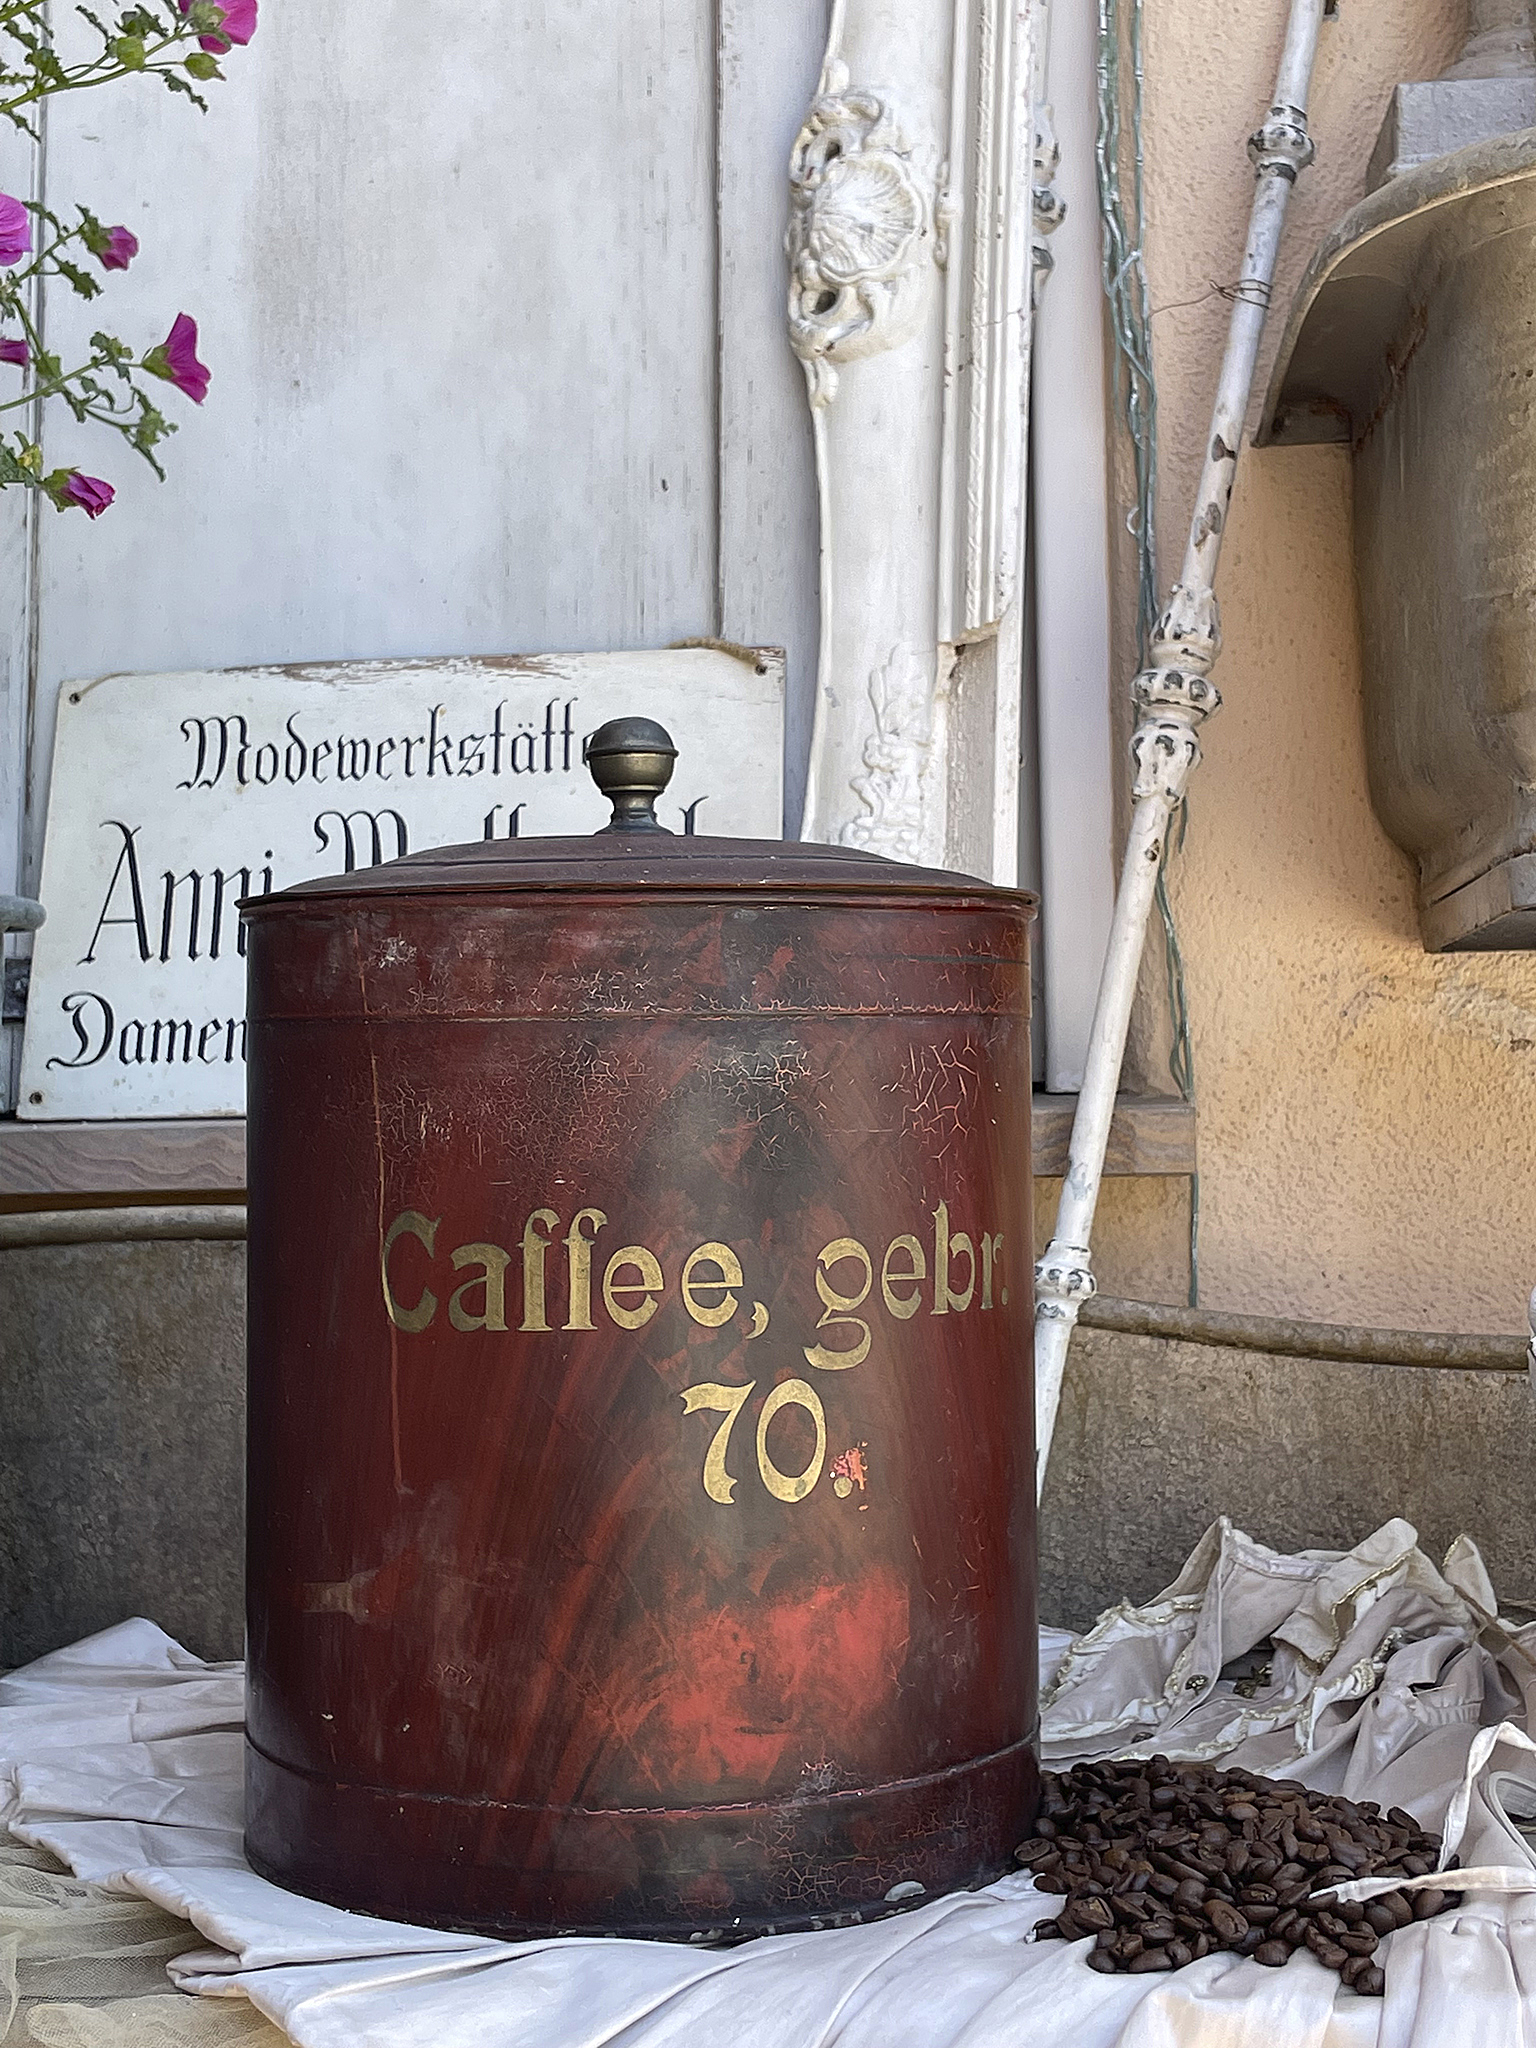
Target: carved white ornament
860 226
897 753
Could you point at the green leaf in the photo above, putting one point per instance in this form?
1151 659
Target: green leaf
80 281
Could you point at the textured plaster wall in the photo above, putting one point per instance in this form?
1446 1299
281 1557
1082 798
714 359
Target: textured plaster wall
122 1443
1155 1440
1367 1113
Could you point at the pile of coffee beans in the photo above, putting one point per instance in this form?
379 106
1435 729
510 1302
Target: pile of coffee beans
1162 1863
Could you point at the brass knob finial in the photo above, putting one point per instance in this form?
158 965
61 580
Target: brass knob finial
631 763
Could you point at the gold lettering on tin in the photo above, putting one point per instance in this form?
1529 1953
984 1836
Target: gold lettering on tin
718 1483
784 1485
903 1306
945 1247
837 1309
492 1277
991 1249
535 1245
409 1223
578 1259
712 1316
648 1287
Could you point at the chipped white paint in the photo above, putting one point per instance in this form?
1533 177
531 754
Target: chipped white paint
1174 696
173 796
909 306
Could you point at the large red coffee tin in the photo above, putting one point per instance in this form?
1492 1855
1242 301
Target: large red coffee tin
641 1479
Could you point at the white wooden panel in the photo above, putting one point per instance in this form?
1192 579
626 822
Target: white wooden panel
770 55
454 271
1071 542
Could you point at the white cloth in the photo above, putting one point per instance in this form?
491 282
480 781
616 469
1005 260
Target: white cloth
1386 1679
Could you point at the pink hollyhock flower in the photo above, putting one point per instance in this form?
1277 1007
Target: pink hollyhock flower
69 487
89 493
175 359
15 352
15 230
122 246
238 25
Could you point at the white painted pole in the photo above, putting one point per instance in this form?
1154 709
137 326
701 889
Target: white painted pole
1174 696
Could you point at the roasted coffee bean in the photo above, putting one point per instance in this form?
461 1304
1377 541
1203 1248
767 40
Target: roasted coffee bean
1272 1954
1160 1863
1226 1921
1371 1982
1048 1930
1101 1960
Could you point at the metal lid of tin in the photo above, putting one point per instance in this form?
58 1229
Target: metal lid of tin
631 761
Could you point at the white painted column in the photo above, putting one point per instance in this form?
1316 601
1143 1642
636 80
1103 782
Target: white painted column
909 307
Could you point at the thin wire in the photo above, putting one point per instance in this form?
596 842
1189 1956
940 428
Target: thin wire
1181 1058
1125 287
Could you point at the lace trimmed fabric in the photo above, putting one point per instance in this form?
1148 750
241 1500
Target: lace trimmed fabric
85 1968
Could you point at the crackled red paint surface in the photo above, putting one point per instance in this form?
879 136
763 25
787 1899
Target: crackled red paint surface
641 1478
